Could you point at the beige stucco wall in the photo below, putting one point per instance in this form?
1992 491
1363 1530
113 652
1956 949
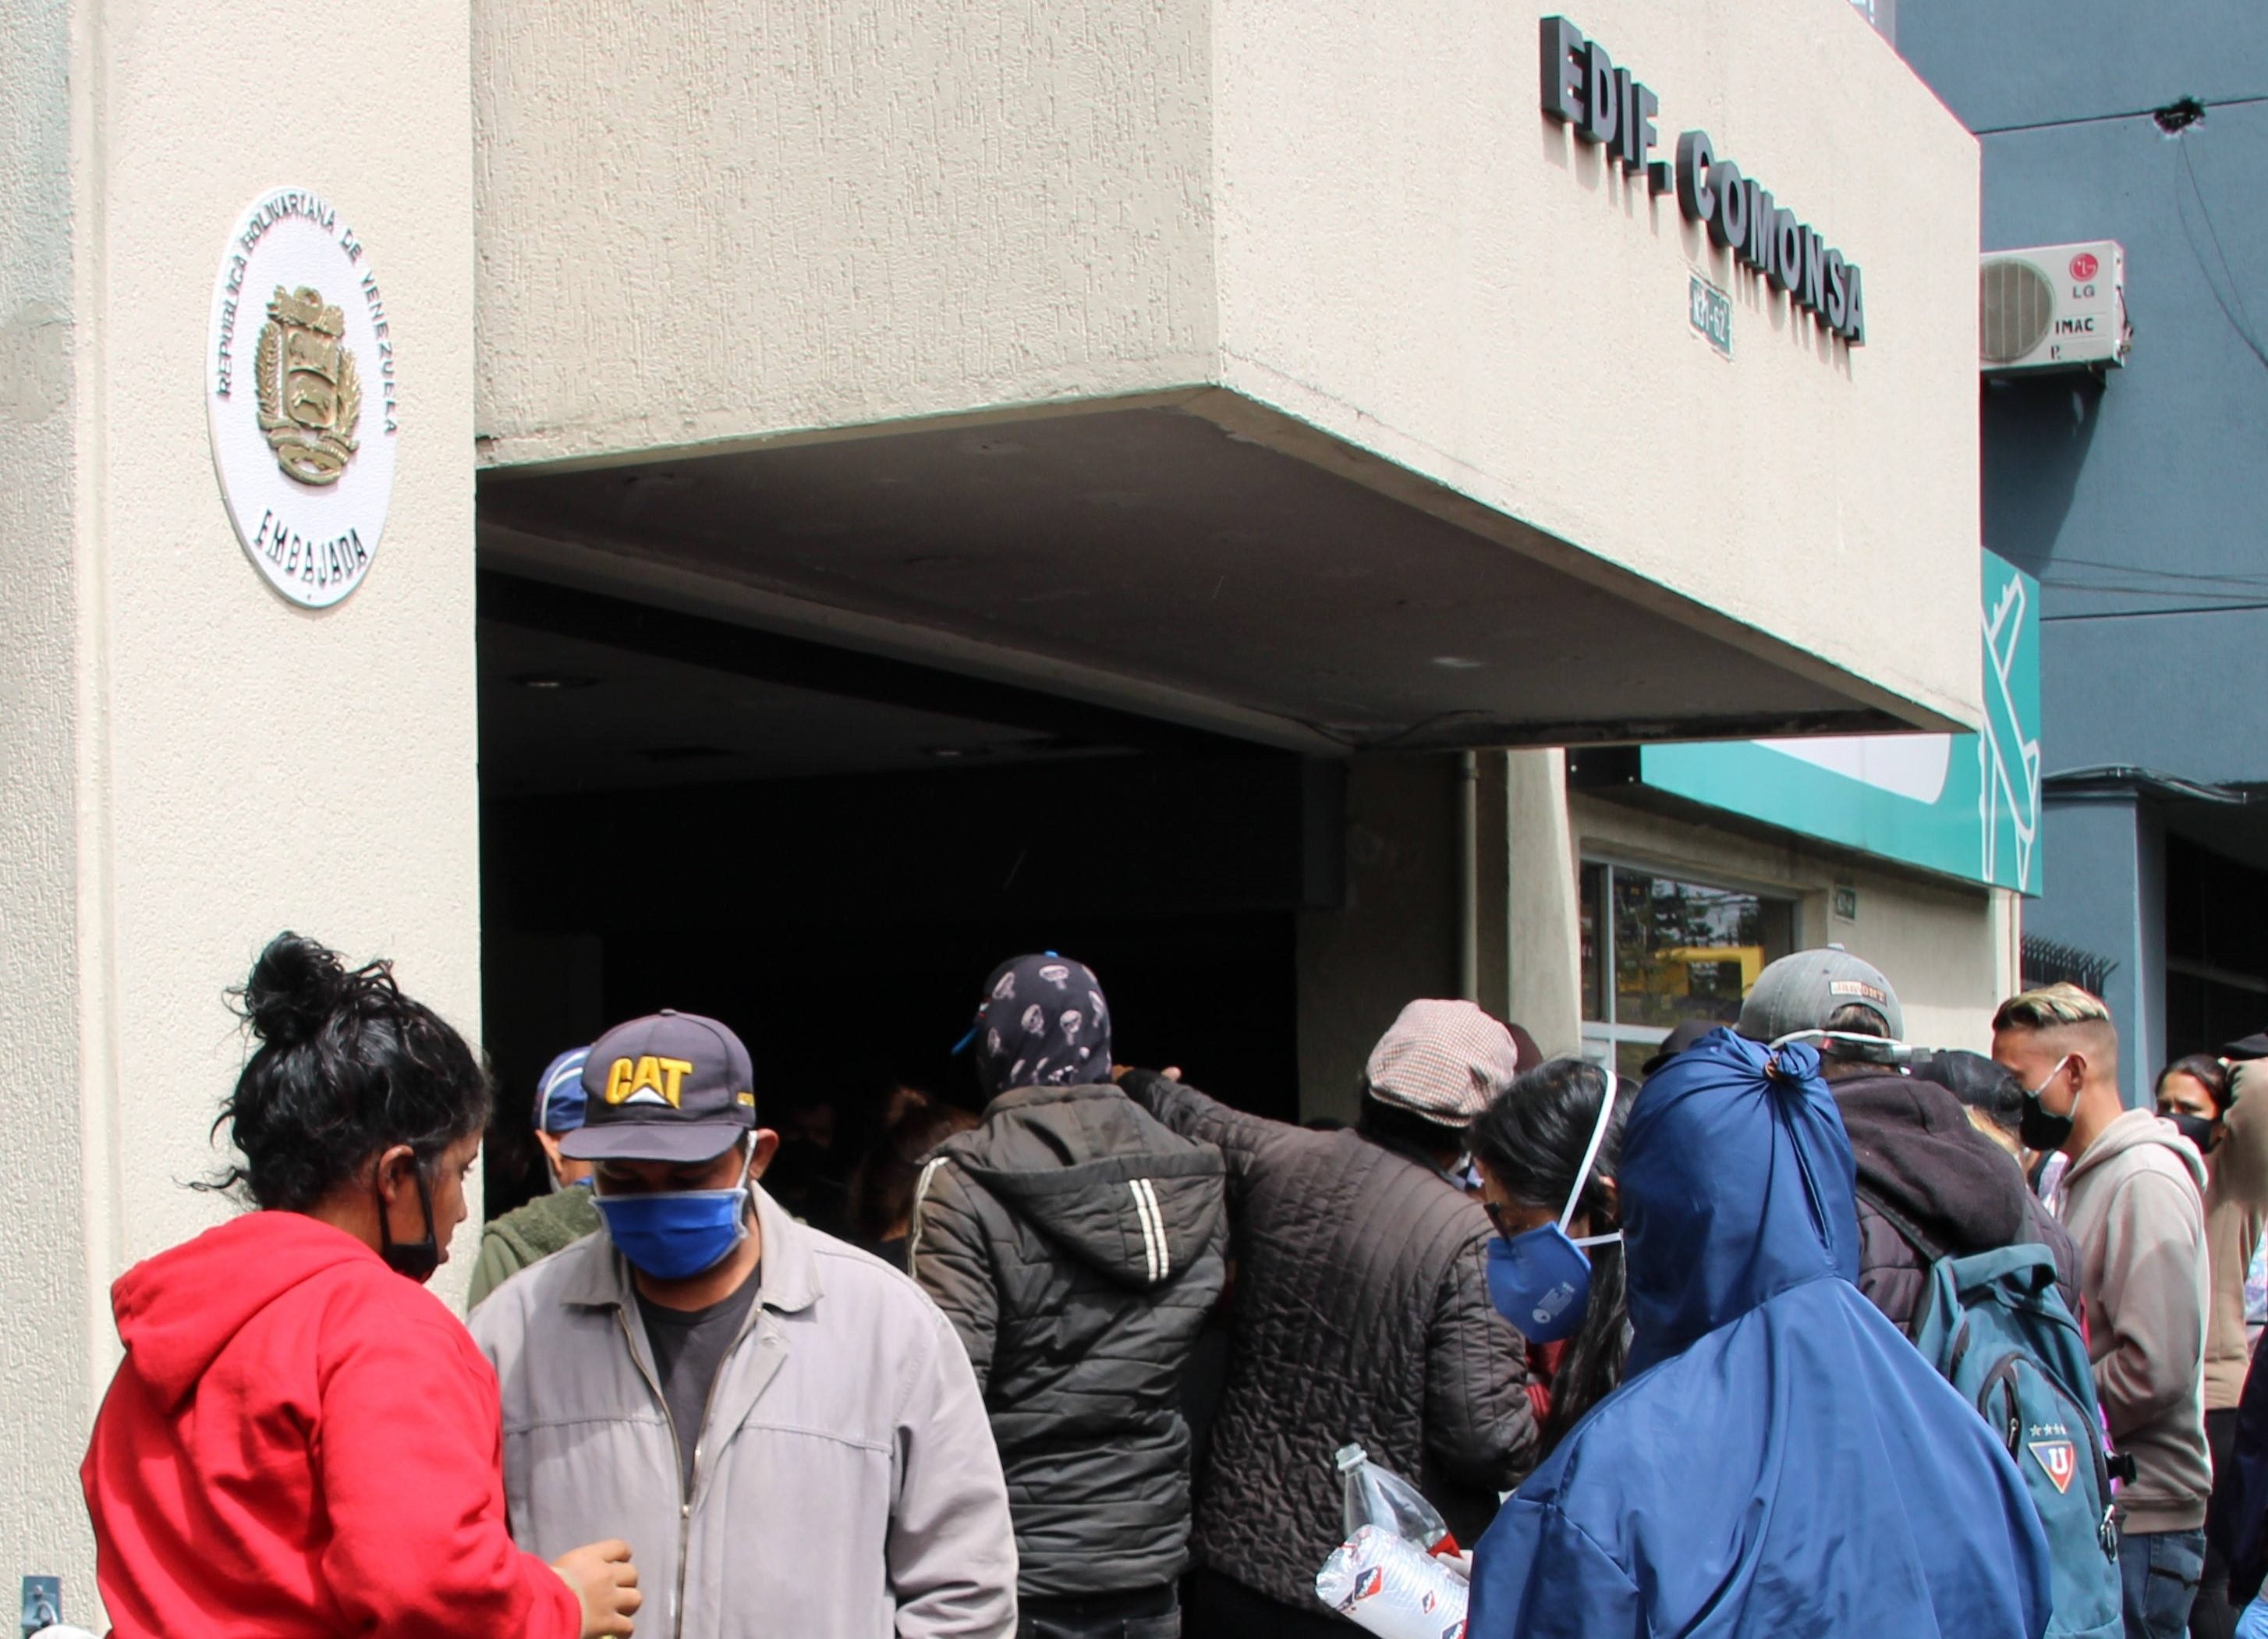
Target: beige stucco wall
720 220
1413 258
44 1264
713 224
192 764
1949 950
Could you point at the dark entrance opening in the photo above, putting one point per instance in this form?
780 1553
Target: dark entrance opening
830 851
2216 949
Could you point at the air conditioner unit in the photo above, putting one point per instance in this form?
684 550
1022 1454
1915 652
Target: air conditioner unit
2053 307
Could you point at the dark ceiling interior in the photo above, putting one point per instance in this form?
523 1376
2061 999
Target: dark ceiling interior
1149 545
580 691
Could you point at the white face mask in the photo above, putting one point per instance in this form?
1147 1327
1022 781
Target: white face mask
1879 1050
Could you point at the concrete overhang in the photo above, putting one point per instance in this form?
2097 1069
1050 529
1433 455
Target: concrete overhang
1152 558
1291 375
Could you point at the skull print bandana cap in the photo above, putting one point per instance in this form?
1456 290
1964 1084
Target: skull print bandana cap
1042 1022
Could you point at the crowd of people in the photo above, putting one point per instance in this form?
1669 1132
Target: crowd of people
1808 1330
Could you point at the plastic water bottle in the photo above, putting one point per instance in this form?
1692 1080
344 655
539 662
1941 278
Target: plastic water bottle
1392 1589
1381 1497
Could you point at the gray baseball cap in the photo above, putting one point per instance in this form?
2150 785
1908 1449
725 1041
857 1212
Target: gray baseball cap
672 1087
1801 992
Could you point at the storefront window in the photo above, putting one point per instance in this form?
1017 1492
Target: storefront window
1657 951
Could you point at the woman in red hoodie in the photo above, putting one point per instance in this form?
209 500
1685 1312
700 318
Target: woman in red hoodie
299 1440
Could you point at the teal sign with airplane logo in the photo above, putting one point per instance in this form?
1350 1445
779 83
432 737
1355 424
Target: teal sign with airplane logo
1965 805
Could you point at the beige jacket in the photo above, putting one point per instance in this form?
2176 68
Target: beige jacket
2235 1202
2134 1206
845 1483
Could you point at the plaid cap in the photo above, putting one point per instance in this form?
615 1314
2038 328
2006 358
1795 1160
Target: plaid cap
673 1087
1443 1060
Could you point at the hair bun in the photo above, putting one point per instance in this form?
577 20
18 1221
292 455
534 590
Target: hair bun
295 987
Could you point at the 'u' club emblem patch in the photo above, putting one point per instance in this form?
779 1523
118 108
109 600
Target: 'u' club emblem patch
2058 1459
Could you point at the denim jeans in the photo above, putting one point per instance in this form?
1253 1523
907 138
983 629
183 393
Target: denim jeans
2158 1573
2210 1617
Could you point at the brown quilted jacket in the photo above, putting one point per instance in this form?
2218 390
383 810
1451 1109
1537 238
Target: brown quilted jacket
1360 1313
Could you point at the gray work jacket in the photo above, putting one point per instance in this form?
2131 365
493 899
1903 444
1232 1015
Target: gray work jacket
845 1483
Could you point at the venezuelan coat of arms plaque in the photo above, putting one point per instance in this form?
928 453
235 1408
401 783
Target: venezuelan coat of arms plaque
301 395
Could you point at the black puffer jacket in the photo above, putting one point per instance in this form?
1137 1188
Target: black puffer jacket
1077 1246
1361 1314
1930 1186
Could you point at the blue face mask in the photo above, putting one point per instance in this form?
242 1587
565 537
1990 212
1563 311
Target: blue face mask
1539 1280
673 1234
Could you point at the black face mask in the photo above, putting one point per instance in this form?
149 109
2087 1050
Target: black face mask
2197 1129
414 1259
2039 1127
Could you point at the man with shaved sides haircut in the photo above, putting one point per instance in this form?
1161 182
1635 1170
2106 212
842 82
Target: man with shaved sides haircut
2134 1200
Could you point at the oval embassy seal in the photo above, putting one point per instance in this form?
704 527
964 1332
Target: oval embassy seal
300 396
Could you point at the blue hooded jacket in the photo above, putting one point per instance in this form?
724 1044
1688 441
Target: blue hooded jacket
1779 1459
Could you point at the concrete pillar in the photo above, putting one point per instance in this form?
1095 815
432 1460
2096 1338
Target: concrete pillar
1545 953
2008 944
44 1278
1526 907
1401 932
1394 935
1493 931
193 763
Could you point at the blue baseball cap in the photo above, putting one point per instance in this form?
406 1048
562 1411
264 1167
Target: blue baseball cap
559 1095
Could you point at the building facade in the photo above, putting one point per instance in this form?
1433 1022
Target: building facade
1700 863
883 481
2135 495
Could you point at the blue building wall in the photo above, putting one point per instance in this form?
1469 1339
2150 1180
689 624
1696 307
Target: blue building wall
2139 502
2109 898
2150 492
